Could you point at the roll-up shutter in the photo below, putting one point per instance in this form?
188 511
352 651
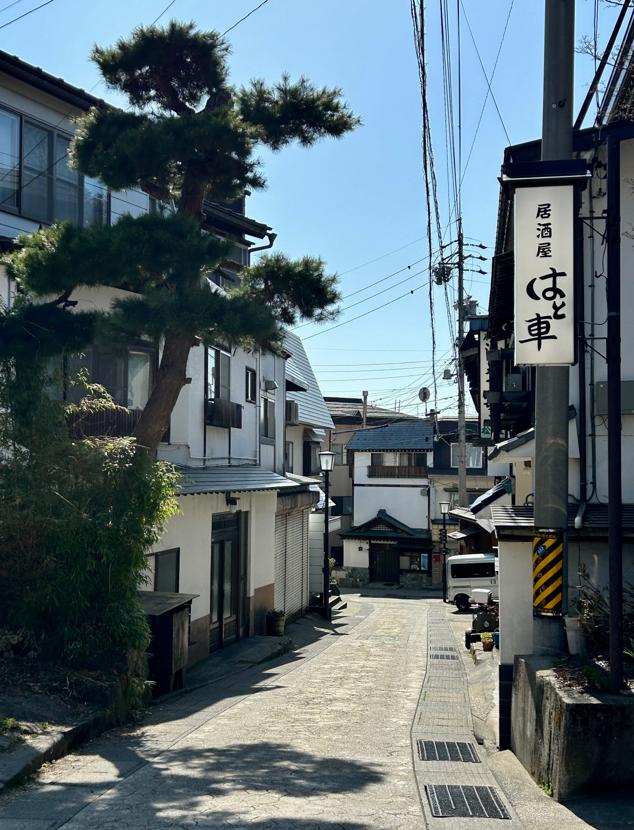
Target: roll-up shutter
280 561
291 562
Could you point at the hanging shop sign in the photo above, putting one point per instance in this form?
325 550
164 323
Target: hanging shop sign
544 275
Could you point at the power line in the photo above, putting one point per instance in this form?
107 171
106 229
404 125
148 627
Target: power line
26 14
10 5
242 19
383 256
166 9
484 72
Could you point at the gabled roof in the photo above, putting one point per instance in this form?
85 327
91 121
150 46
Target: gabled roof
385 527
414 436
350 410
312 408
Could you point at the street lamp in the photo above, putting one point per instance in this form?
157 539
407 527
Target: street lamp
444 509
326 463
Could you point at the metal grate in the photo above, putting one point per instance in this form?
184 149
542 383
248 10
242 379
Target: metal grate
454 801
442 648
444 656
447 751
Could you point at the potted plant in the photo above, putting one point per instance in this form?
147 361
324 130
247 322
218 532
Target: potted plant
486 638
275 622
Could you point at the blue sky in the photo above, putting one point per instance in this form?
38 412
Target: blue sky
360 198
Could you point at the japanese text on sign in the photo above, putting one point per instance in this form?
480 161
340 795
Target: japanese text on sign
544 276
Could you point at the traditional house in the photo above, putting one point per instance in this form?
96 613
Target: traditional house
240 543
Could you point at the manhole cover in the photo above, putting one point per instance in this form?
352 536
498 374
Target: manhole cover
454 801
447 751
443 656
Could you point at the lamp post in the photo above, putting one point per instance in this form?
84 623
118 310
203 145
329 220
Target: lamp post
326 463
444 509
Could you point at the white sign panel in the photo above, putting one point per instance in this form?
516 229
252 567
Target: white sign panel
544 276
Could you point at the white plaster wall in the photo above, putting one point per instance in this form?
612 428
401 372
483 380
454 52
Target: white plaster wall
516 598
295 435
244 441
262 508
272 368
316 548
356 553
407 504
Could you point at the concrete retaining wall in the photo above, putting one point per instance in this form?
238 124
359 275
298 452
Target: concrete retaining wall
569 741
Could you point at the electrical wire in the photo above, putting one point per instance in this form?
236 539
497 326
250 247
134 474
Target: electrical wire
26 14
383 256
10 5
242 19
166 9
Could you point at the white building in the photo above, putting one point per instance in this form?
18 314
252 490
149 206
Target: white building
240 542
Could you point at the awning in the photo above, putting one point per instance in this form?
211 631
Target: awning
199 480
496 492
467 516
460 535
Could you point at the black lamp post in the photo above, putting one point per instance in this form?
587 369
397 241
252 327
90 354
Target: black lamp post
444 509
326 462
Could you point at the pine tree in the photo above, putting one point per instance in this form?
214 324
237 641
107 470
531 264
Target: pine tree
190 135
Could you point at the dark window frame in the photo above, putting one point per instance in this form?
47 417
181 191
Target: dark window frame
415 556
221 366
250 385
164 553
49 172
95 356
267 419
289 456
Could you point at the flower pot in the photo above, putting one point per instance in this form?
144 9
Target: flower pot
275 622
487 645
575 636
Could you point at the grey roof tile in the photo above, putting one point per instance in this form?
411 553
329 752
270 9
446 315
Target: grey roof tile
404 435
198 480
595 516
312 408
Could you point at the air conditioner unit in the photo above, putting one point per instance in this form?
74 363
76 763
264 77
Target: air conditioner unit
292 412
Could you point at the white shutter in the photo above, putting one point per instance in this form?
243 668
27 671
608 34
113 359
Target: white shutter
280 561
291 562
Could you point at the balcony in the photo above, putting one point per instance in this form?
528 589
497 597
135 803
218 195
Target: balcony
222 413
111 422
385 471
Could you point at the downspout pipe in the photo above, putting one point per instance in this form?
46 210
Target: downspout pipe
615 494
581 361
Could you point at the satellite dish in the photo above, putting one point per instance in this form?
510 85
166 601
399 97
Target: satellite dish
423 394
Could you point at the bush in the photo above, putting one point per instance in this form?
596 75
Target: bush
594 614
76 520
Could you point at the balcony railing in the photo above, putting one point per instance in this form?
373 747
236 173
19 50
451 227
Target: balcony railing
222 413
385 471
114 422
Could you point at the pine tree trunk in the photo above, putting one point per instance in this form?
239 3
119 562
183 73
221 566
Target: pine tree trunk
170 379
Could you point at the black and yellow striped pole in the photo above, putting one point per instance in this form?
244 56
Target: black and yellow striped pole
548 573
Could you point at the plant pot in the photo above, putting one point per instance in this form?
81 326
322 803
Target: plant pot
275 622
575 636
487 645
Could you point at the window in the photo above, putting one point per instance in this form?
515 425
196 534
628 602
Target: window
218 374
474 456
250 391
343 505
376 459
9 160
412 459
127 375
38 182
166 570
472 570
267 418
288 456
414 562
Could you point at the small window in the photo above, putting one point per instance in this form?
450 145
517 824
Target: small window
376 459
9 159
218 374
267 418
139 378
36 201
66 190
474 456
412 459
166 570
418 562
338 450
250 391
288 456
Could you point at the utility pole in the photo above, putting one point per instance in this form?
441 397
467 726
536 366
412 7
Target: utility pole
462 427
365 408
552 388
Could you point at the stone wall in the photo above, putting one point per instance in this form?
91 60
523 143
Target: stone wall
569 741
351 577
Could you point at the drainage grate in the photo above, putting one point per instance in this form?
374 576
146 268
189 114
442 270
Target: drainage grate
447 751
454 801
442 648
444 656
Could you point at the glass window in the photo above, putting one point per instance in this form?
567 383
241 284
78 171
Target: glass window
109 369
338 451
267 418
218 374
250 386
139 377
288 456
472 570
36 201
95 202
412 459
376 459
166 568
66 184
9 159
474 456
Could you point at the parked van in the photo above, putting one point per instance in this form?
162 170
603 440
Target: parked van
468 571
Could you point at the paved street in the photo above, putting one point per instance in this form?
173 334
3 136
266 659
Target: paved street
326 737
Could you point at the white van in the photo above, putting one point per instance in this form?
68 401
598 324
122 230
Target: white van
468 571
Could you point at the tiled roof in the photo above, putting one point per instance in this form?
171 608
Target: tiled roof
312 409
404 435
353 408
595 516
197 480
385 526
